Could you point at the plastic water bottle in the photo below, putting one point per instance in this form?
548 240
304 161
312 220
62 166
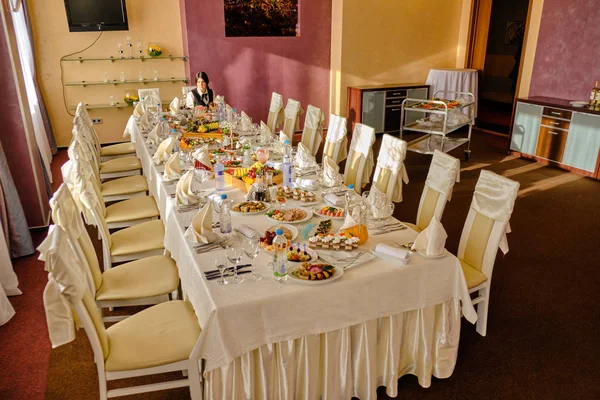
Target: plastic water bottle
350 193
225 215
143 104
175 141
280 256
286 167
158 115
219 175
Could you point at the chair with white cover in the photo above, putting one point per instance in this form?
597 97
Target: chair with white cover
359 165
275 118
186 89
444 171
291 119
390 172
106 152
156 340
150 96
312 134
146 281
336 141
483 233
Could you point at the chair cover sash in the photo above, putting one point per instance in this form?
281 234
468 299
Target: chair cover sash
292 112
495 198
391 158
275 112
312 135
363 138
444 171
336 142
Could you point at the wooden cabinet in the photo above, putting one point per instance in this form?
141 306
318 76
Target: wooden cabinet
380 106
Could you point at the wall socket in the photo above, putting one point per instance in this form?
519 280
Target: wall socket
96 121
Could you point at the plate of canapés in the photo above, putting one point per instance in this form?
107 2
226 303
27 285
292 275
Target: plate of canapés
290 215
315 273
250 208
330 212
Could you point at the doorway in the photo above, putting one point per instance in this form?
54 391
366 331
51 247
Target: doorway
497 36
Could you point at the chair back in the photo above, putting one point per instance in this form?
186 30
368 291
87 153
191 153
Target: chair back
186 89
65 287
151 97
444 171
275 118
488 221
336 142
312 133
359 164
390 171
291 119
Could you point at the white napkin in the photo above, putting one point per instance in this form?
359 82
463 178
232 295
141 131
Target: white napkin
307 183
201 155
172 167
304 158
373 193
159 131
163 152
330 171
247 231
138 111
184 190
229 113
392 251
333 199
246 122
174 106
265 133
200 230
145 121
283 137
432 240
350 221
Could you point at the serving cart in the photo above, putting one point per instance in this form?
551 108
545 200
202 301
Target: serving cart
437 129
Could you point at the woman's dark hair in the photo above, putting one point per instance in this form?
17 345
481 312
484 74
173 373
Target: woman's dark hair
202 75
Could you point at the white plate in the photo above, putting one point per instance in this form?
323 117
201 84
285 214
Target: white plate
422 254
308 212
333 257
338 274
579 104
315 211
313 255
250 213
291 228
387 257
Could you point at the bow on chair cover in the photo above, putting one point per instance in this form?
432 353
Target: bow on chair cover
337 137
495 198
313 129
391 158
444 171
275 118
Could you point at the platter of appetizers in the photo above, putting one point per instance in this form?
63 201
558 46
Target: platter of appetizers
249 207
315 273
330 212
290 215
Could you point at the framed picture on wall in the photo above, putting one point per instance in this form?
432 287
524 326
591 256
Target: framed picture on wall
515 32
261 18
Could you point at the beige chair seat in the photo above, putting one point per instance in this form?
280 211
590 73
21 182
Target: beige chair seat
473 277
146 236
118 149
120 165
147 277
129 184
412 226
132 209
159 335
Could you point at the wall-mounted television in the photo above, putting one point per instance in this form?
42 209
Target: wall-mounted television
96 15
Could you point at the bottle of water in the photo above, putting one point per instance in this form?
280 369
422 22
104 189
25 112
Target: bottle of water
225 215
158 115
286 167
350 193
280 256
219 175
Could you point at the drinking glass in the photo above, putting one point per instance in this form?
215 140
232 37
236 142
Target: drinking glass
221 265
235 256
106 77
111 100
141 76
155 75
252 249
262 153
123 78
139 48
120 49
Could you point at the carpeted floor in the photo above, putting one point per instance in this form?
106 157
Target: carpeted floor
543 328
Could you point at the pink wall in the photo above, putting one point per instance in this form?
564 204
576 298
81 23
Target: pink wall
567 60
248 70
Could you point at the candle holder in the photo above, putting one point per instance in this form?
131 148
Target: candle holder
111 101
141 76
155 75
123 77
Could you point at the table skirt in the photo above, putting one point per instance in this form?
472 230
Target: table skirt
351 361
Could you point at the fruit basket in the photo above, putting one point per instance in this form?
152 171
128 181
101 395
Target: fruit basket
243 178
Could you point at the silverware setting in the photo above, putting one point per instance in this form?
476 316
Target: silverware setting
227 270
226 275
188 208
387 230
359 255
205 248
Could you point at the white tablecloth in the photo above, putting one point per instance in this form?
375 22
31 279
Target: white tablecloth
455 79
237 320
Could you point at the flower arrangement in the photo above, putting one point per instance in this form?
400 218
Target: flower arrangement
154 50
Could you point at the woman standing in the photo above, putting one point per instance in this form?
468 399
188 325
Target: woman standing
202 95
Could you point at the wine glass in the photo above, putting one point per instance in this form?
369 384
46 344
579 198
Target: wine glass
221 265
252 249
235 256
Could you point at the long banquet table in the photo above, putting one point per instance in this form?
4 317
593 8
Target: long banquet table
266 340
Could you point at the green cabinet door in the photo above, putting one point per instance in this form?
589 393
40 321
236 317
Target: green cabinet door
583 142
526 128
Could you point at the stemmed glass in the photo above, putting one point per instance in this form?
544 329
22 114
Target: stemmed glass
235 256
252 249
221 265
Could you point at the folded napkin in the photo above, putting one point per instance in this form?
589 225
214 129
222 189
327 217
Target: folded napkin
331 172
203 157
247 231
333 199
138 111
432 240
304 158
392 251
184 191
265 133
307 183
283 137
350 220
145 121
174 106
246 122
172 167
200 230
163 152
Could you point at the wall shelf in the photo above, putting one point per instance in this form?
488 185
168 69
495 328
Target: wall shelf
113 59
118 105
118 82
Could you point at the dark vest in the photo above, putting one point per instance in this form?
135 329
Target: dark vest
198 101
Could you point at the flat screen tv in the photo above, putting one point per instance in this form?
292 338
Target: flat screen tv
96 15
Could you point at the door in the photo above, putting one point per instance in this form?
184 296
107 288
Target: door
583 143
373 106
526 128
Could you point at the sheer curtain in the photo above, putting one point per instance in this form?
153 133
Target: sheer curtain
24 44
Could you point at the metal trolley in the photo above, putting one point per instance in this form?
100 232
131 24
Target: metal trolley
436 132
